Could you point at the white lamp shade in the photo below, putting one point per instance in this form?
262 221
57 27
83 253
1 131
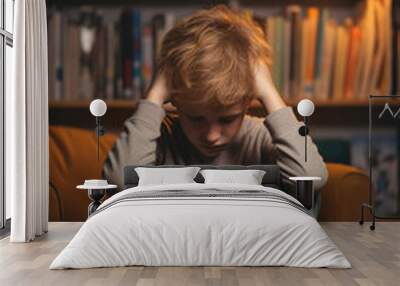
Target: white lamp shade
305 107
98 107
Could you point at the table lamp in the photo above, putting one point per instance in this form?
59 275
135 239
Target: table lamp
98 108
97 188
304 185
305 108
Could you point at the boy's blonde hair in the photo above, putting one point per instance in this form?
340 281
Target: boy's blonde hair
208 58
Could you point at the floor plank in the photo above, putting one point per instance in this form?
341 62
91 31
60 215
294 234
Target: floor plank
374 255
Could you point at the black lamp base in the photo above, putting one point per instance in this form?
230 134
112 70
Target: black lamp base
305 193
95 195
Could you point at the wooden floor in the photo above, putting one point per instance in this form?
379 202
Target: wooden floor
375 257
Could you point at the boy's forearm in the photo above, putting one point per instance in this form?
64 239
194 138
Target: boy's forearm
272 102
155 97
283 126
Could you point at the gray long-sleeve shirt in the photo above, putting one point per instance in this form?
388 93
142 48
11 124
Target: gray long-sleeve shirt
150 137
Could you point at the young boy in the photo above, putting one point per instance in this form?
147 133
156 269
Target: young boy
211 66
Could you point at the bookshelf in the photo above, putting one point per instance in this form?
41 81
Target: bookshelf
82 104
127 104
134 2
327 114
74 112
202 2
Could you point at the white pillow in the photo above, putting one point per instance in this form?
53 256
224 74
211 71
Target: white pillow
162 176
248 177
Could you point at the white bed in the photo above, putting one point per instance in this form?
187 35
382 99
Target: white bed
225 225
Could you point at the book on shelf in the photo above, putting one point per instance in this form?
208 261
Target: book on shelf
323 84
127 53
148 55
398 62
396 46
352 61
320 56
333 60
137 55
313 54
312 41
56 61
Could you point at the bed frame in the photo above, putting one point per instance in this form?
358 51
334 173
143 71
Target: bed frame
272 177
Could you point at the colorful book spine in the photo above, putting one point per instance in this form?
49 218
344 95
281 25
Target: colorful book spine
127 55
71 61
380 47
321 38
396 47
51 53
158 26
278 47
312 56
369 34
111 45
270 29
398 62
352 62
312 30
304 58
100 56
147 48
286 58
340 62
118 64
387 78
136 54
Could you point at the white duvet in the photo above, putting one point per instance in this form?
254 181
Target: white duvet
183 231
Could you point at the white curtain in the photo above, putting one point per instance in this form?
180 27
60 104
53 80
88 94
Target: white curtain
27 172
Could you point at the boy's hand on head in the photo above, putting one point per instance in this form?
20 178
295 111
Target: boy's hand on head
265 89
158 92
